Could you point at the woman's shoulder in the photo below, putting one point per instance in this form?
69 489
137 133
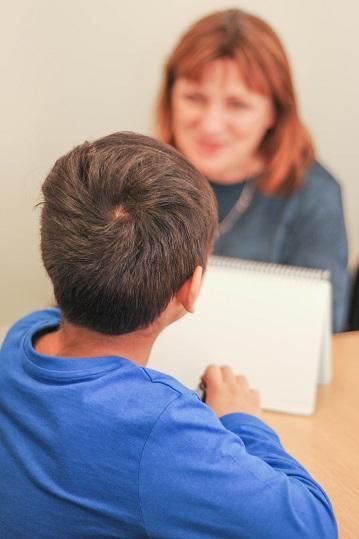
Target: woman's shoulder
320 191
319 180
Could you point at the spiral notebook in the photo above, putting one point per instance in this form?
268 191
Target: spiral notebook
269 322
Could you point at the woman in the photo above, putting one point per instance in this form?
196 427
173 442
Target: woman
227 102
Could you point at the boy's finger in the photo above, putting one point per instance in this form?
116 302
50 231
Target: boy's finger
227 373
242 381
212 375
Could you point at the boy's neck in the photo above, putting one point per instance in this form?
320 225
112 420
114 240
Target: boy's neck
71 341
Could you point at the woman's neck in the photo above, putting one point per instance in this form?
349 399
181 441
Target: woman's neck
252 168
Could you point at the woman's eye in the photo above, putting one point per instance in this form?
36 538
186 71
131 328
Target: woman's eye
194 98
237 104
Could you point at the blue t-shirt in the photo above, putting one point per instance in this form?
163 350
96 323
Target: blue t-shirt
305 229
103 448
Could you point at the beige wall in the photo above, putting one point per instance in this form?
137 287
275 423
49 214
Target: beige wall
76 69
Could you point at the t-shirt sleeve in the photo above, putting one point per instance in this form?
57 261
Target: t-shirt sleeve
201 479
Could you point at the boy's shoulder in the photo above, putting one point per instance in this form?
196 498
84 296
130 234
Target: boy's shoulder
164 387
173 384
50 316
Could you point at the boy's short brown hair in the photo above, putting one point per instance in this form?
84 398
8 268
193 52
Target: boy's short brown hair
125 221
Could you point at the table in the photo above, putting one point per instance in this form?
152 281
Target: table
327 443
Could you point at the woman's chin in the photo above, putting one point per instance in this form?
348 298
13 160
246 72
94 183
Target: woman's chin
216 173
210 170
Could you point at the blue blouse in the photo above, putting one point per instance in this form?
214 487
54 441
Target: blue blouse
305 229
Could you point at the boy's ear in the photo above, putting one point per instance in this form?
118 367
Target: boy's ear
189 291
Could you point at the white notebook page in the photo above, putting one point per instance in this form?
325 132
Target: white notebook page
268 322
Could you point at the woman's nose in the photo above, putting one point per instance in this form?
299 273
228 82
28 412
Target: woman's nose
213 119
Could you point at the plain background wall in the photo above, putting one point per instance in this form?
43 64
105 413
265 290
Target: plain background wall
78 69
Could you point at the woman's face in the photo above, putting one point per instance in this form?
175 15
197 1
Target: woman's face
218 123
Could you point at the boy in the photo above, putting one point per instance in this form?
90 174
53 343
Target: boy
93 443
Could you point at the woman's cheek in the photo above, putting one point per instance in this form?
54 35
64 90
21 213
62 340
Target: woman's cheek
189 118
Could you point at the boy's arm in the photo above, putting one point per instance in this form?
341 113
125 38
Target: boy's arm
199 480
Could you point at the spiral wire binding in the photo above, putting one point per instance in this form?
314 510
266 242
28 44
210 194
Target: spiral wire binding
268 267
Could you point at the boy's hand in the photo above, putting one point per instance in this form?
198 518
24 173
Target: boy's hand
228 393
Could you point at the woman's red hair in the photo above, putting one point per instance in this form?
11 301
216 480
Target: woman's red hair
287 147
